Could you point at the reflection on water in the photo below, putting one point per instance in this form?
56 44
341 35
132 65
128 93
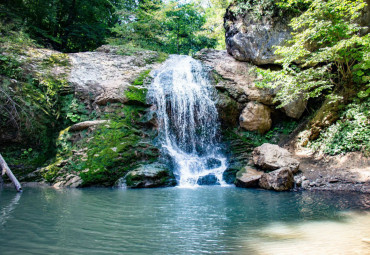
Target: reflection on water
349 236
181 221
6 210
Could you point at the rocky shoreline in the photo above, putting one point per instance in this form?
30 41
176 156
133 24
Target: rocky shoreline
106 133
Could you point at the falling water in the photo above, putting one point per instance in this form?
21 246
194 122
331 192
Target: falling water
188 120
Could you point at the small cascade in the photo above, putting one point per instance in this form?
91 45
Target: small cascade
188 121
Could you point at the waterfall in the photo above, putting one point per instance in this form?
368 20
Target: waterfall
188 123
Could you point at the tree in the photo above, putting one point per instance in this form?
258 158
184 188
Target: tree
213 27
169 27
67 25
327 52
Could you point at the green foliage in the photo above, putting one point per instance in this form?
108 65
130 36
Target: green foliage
30 99
28 103
81 25
58 59
247 140
297 82
68 25
102 156
137 93
170 27
13 37
256 9
350 133
327 51
213 27
26 152
75 111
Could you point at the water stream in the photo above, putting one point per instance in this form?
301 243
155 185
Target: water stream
188 122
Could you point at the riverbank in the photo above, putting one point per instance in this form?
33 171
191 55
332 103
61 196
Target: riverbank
349 172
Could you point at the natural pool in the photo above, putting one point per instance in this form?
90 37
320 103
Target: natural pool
215 220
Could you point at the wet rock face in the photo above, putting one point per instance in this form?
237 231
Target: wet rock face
256 117
271 157
253 40
278 180
209 179
149 176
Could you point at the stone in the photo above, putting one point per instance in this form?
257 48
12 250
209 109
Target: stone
70 181
213 163
248 177
234 77
298 180
271 157
295 108
73 182
256 117
209 179
228 110
253 39
278 180
305 184
103 76
149 176
229 175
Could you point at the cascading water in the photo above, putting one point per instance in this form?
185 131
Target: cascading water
188 120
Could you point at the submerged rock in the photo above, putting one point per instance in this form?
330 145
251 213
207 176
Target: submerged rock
209 179
248 178
278 180
256 117
149 176
271 157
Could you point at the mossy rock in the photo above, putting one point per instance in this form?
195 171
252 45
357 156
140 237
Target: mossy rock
104 153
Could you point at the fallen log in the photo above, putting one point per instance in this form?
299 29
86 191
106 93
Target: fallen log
6 170
86 124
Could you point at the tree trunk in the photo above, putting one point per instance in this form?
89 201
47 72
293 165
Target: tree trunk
6 170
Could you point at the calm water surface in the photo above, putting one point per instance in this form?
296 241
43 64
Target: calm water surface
204 220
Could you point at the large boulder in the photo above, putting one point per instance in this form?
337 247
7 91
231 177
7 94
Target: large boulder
102 77
248 177
278 180
236 78
295 108
70 181
271 157
252 39
256 117
149 176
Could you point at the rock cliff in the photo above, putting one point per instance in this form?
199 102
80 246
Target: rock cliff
252 38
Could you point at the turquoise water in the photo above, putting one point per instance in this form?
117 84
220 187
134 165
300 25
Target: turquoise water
216 220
